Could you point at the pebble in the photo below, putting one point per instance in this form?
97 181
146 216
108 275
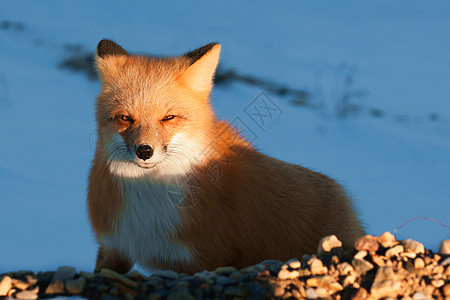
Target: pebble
367 243
413 246
56 287
360 254
26 295
316 266
116 276
400 271
21 285
5 285
294 263
64 273
419 263
328 243
362 266
387 240
394 251
76 286
166 274
344 268
445 247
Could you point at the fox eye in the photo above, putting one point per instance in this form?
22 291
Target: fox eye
126 118
167 118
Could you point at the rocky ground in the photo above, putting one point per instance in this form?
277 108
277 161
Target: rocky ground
378 268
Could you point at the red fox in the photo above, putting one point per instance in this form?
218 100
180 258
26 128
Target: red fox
173 187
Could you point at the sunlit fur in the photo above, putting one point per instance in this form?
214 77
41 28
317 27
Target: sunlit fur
205 198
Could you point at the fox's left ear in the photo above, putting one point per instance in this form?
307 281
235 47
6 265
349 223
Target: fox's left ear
200 74
110 57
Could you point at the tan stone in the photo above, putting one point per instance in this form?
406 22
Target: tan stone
26 295
19 284
368 243
394 251
413 246
408 254
445 247
5 285
378 260
136 276
326 282
76 286
126 289
294 264
385 283
360 254
387 240
56 287
419 263
344 268
446 290
328 243
317 267
116 276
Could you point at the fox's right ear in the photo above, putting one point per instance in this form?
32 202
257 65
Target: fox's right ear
110 57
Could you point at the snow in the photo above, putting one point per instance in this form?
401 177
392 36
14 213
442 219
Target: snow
398 53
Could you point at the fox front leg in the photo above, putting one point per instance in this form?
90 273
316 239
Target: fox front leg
113 260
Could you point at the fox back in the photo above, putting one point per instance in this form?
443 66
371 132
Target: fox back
173 187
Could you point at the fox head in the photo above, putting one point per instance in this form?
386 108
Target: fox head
154 114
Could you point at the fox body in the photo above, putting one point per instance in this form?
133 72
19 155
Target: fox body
173 187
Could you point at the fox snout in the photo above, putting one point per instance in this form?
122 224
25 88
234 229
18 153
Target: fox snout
144 152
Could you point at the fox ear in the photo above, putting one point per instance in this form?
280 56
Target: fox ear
200 74
110 57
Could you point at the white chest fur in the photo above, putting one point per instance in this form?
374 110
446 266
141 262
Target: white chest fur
148 218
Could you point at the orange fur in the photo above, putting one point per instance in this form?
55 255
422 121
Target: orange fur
239 206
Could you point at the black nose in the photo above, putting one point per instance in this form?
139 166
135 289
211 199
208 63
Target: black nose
144 152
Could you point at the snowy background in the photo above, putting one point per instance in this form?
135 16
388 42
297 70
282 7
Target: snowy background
388 62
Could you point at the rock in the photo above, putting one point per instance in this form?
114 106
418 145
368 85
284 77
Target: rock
387 240
235 291
180 295
385 284
87 275
136 276
445 262
419 263
166 274
278 290
362 266
394 251
413 246
420 296
326 282
368 243
116 276
360 254
76 286
5 285
26 295
225 281
56 287
378 260
344 268
316 266
328 243
311 294
446 290
294 263
19 284
222 270
286 274
64 273
445 247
